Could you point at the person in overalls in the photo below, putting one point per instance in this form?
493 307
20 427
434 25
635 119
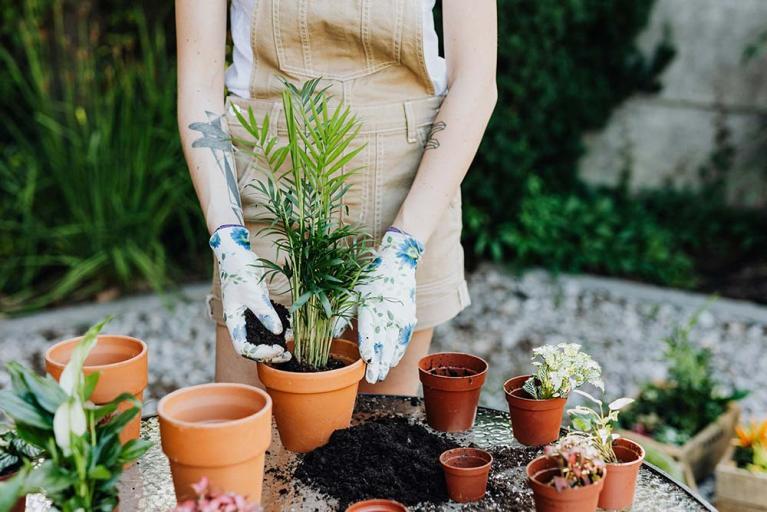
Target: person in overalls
422 120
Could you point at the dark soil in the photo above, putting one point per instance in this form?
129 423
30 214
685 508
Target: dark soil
294 366
507 487
257 334
452 371
388 458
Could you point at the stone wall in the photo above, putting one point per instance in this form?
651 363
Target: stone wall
666 138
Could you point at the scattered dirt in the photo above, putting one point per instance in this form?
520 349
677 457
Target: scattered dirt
452 371
387 458
257 334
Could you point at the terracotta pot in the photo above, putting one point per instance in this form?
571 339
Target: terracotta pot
621 478
377 506
21 503
123 364
451 385
220 431
540 471
466 471
309 407
533 422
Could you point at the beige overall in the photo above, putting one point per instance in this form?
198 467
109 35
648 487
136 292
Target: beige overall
370 53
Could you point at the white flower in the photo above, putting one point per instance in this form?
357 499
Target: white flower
69 419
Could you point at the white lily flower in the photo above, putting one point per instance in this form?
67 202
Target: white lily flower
69 419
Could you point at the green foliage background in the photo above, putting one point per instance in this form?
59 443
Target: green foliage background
94 192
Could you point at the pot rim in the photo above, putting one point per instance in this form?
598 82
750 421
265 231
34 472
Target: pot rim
376 501
510 394
448 455
447 377
308 376
161 405
537 484
95 367
641 454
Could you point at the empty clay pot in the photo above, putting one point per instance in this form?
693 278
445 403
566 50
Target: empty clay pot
466 472
533 422
309 407
452 382
123 364
220 431
540 471
377 506
621 479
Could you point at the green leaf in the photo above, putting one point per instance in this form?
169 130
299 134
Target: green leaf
99 473
134 449
89 384
24 412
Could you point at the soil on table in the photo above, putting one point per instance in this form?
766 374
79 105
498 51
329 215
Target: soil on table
452 371
257 334
387 458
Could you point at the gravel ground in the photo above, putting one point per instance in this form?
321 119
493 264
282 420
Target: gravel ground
621 324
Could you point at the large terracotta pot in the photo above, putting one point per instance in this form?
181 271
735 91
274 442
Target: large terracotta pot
621 480
309 407
466 472
452 382
547 499
533 422
21 503
220 431
122 362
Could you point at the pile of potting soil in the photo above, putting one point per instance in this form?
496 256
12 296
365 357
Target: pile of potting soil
257 334
387 458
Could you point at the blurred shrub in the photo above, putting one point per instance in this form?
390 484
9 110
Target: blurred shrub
95 190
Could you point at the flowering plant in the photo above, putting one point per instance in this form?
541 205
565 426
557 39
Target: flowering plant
322 257
751 447
578 463
560 369
211 501
596 426
84 455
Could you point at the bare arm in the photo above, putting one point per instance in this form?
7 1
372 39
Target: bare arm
470 39
200 40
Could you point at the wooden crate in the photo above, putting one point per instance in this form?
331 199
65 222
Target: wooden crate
738 490
700 455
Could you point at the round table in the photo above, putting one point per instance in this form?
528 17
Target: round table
146 486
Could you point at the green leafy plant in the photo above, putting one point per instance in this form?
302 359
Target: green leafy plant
596 426
84 455
325 258
578 462
14 452
559 370
691 398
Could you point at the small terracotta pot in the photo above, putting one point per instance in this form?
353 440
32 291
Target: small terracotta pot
540 471
533 422
220 431
452 382
377 506
309 407
621 478
123 364
21 503
466 471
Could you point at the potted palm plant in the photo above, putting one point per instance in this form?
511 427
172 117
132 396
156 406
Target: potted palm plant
622 456
84 454
323 259
569 476
537 402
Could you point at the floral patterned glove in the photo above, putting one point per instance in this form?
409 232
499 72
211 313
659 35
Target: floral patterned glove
242 288
386 317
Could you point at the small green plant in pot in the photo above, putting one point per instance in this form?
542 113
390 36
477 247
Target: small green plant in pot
568 476
622 456
323 259
84 456
537 402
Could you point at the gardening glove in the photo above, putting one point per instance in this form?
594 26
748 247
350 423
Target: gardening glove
242 288
386 316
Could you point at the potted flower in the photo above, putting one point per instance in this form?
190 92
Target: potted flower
690 416
207 500
323 259
14 454
741 476
537 402
85 455
622 456
569 476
